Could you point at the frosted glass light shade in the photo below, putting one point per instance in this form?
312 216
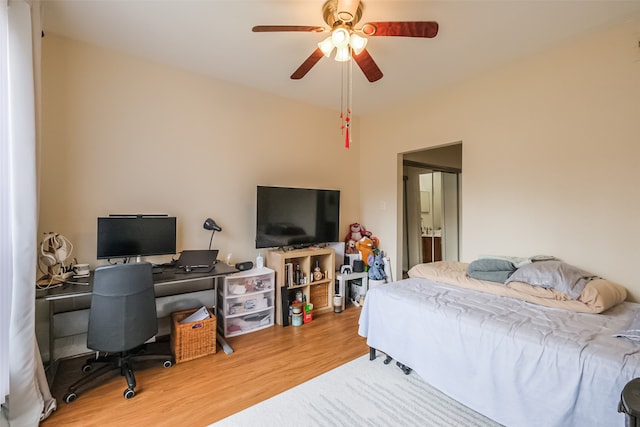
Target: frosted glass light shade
326 46
340 37
357 43
342 54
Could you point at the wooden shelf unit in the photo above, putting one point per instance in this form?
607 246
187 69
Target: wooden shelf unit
317 292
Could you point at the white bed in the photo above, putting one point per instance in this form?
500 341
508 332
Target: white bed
519 363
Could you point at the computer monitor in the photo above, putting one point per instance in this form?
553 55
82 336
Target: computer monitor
126 236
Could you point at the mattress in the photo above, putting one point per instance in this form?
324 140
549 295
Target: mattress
519 363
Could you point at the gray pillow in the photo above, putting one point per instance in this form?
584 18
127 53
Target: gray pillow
491 269
556 275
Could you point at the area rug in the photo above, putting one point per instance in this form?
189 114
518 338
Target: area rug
359 393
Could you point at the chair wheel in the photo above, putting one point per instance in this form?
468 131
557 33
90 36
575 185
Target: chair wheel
129 393
388 360
168 363
70 397
87 368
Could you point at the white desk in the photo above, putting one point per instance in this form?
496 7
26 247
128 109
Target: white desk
343 282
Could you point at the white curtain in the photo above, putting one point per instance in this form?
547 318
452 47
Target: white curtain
5 226
29 399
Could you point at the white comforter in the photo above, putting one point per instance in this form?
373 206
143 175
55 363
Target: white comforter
518 363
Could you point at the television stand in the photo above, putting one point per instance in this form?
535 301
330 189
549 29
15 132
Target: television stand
318 292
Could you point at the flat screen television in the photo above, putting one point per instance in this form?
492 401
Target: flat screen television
296 217
125 236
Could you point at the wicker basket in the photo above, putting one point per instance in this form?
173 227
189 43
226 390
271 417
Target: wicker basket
192 340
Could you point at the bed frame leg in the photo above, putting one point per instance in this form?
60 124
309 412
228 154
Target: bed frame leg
407 370
388 359
372 356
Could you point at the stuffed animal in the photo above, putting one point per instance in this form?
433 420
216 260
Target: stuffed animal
376 242
356 232
365 247
350 248
376 267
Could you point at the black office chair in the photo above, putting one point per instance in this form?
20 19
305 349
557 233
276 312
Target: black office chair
122 318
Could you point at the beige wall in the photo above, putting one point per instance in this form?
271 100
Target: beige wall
123 135
550 156
549 152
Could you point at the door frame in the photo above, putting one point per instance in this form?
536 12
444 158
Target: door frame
429 163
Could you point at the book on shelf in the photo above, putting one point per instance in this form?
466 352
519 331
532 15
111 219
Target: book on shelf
284 295
288 275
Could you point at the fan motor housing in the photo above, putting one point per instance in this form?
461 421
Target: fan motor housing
332 16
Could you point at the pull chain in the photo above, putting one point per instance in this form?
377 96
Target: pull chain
346 92
347 137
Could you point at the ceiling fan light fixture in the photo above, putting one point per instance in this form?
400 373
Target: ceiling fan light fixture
326 46
357 43
341 17
340 37
342 54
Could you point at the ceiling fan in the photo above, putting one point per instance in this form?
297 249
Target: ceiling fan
350 41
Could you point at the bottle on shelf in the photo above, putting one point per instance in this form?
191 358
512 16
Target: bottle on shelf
297 276
259 260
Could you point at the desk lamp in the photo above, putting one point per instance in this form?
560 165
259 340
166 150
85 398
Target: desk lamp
210 224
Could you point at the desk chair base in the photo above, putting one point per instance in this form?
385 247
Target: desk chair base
124 362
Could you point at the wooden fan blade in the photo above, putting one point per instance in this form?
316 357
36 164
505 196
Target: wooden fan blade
426 29
368 66
307 64
275 28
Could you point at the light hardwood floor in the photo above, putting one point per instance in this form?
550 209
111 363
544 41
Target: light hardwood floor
205 390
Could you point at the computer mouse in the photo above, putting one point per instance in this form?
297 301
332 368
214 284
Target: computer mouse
187 269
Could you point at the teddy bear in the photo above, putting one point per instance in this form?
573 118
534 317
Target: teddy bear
365 246
350 248
356 232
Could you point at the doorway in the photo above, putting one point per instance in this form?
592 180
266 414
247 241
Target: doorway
431 205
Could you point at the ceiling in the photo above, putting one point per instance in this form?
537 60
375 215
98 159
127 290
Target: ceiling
214 38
